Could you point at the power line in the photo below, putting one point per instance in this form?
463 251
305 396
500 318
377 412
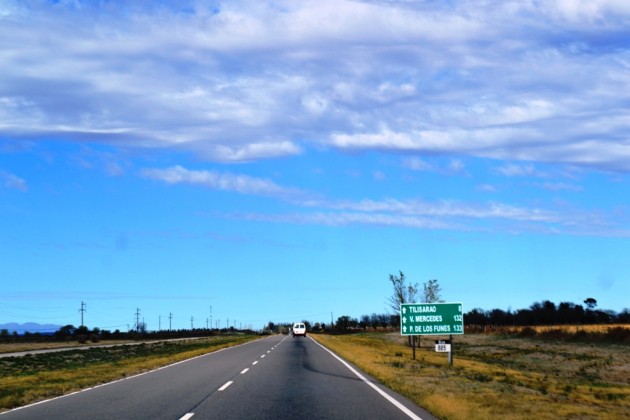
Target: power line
82 310
137 319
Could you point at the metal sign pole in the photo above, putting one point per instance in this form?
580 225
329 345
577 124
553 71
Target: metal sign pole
450 353
413 345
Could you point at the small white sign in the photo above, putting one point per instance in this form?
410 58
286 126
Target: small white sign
443 348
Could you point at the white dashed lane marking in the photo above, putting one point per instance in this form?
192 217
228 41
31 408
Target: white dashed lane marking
225 385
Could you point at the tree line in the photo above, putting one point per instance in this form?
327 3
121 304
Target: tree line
539 313
548 313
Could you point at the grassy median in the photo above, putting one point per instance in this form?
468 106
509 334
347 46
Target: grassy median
31 378
498 376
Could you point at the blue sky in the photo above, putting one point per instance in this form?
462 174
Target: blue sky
261 161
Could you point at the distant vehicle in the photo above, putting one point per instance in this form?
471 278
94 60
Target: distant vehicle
299 329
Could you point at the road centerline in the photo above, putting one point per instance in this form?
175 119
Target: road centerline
225 385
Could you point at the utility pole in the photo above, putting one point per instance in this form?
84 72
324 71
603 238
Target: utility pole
137 319
160 323
210 316
170 320
191 322
82 310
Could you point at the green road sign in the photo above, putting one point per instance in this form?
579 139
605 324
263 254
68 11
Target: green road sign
431 318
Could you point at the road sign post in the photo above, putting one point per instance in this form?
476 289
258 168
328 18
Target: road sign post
433 319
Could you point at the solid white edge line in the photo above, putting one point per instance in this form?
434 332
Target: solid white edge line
187 416
225 385
385 395
126 378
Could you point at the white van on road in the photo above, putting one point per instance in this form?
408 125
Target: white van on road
299 329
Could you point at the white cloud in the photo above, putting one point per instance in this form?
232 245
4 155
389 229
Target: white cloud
486 188
448 209
12 181
247 80
561 186
458 215
379 176
240 183
254 151
589 11
513 169
417 164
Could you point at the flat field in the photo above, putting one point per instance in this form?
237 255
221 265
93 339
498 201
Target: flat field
498 376
31 378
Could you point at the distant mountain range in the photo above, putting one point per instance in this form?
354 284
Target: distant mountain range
30 327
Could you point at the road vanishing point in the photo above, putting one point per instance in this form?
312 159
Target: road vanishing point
279 377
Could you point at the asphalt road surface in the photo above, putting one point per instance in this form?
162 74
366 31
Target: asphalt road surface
279 377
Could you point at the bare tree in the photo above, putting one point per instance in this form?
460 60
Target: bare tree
403 292
431 291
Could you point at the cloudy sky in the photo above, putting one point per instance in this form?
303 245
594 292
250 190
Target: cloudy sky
258 161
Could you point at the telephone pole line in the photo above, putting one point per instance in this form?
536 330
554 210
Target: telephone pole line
137 319
82 310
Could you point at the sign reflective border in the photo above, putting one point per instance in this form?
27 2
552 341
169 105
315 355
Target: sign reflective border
431 318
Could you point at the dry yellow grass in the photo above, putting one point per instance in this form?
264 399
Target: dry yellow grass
18 347
572 329
494 377
21 388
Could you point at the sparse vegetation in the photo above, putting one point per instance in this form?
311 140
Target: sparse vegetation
499 375
31 378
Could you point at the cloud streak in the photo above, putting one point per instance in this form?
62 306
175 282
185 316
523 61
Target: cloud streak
239 183
11 181
249 80
456 215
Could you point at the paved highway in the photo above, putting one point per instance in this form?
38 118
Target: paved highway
279 377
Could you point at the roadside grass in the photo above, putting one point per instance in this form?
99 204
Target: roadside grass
18 347
31 378
497 376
